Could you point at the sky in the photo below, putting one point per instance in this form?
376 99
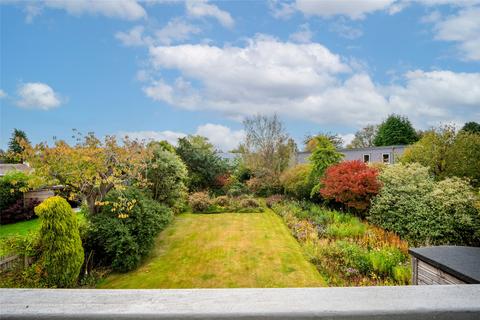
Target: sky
161 69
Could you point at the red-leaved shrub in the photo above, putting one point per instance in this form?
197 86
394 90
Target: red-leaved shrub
351 183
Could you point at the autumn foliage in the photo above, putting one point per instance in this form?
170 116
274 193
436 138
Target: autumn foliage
352 183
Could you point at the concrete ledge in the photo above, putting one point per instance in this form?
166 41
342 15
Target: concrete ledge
406 302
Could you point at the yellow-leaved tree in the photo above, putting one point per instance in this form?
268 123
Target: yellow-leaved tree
91 167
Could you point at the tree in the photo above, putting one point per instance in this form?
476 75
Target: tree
90 168
202 160
351 183
423 211
167 176
395 130
60 244
268 149
124 231
16 146
324 155
447 154
311 141
364 138
472 127
431 151
296 181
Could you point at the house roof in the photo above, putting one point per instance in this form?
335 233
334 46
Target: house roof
400 146
6 167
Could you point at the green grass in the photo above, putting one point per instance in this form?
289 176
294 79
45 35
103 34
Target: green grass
20 228
229 250
24 227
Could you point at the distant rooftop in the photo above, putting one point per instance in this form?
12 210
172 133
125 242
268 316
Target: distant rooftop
6 167
399 146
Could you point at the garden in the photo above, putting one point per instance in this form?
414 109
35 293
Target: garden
155 215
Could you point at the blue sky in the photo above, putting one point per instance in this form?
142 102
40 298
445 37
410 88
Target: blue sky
162 69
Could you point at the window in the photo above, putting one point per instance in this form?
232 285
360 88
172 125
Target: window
386 157
366 158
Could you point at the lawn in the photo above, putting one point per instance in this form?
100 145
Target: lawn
24 227
20 228
230 250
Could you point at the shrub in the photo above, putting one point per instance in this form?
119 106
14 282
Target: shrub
167 175
351 183
249 203
19 211
423 211
59 238
273 200
124 230
351 229
222 201
199 201
402 274
264 186
12 184
237 189
202 160
447 154
296 181
384 260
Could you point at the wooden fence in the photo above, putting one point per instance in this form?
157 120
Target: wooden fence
14 261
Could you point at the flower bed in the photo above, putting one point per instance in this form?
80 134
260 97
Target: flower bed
346 250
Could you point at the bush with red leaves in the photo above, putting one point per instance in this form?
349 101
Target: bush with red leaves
351 183
18 211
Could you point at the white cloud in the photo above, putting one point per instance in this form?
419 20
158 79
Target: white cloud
344 30
170 136
437 96
220 136
2 94
200 8
121 9
303 81
280 9
347 138
304 35
132 38
462 28
36 95
352 9
176 30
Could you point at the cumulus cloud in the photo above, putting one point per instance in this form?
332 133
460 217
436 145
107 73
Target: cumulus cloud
220 136
352 9
121 9
437 96
304 35
170 136
201 8
175 31
303 81
134 37
2 94
37 95
342 28
462 28
347 138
